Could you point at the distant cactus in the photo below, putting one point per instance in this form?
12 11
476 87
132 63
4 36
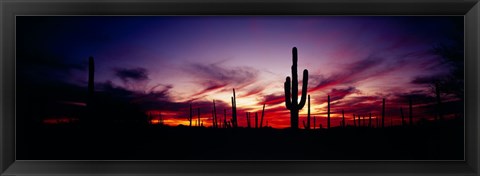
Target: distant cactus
354 121
198 110
225 118
248 119
308 114
383 113
291 88
191 115
234 110
263 114
328 120
370 121
215 125
343 119
256 120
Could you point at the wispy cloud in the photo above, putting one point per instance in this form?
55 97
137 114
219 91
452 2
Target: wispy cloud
214 77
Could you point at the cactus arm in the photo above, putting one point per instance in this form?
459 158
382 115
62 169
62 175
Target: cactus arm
304 89
288 101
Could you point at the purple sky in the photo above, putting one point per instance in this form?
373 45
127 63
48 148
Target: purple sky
356 60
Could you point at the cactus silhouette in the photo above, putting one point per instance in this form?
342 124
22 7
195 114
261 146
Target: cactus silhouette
343 118
248 119
308 113
214 115
225 118
383 113
263 114
198 123
410 115
328 113
370 121
354 121
256 120
234 110
291 90
191 115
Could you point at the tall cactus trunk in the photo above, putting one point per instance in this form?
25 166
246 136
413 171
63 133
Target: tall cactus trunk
215 124
191 115
234 110
354 121
383 113
91 89
410 115
370 121
291 88
308 114
225 118
263 114
328 113
256 119
248 119
198 110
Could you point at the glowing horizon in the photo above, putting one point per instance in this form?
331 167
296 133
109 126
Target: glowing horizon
165 63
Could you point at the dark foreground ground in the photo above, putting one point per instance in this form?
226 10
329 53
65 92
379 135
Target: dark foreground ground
439 141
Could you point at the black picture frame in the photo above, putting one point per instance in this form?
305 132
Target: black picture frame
9 9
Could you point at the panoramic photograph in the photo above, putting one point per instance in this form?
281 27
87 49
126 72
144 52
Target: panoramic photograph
240 88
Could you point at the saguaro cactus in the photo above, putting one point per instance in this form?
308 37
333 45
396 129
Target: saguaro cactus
198 110
383 113
225 118
263 114
215 124
308 113
354 121
328 113
370 121
291 88
234 110
191 115
256 119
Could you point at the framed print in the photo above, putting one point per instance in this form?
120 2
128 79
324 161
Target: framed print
240 87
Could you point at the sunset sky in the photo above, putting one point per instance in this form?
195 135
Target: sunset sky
164 63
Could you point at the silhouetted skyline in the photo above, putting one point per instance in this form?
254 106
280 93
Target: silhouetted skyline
162 64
